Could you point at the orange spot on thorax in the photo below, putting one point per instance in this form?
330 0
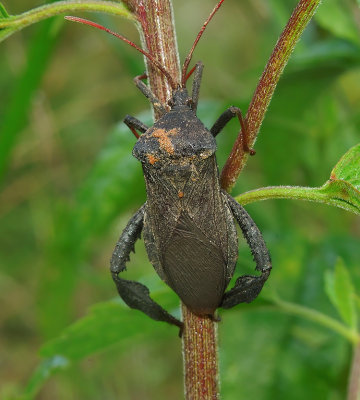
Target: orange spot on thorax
152 159
164 139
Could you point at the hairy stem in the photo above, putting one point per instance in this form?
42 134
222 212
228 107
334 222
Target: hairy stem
336 193
282 192
266 87
155 23
200 357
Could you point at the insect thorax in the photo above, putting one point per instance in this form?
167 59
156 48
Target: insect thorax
178 136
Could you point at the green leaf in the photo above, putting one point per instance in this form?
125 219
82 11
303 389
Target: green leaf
341 190
16 114
99 199
42 373
357 301
348 167
343 187
107 324
341 293
334 17
3 12
341 194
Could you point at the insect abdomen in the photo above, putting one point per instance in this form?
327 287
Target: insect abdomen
194 267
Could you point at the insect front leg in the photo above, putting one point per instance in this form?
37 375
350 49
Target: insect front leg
248 287
199 66
146 91
224 118
134 124
134 293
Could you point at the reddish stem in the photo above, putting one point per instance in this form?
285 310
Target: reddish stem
200 357
266 87
155 23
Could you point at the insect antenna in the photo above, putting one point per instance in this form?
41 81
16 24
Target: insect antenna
132 44
185 75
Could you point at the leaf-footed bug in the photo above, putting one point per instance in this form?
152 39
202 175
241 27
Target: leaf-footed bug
188 221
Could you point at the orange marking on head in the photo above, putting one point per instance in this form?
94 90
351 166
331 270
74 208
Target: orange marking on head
164 139
152 159
180 194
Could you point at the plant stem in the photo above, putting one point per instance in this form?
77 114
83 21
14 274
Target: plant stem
266 87
14 23
318 317
354 379
200 357
282 192
155 23
336 193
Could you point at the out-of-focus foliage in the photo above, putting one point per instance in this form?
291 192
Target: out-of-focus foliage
71 185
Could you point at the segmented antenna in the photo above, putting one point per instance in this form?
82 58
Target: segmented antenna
184 74
123 38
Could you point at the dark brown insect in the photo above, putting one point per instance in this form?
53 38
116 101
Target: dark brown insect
188 221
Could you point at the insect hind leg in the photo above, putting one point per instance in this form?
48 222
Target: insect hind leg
248 287
134 294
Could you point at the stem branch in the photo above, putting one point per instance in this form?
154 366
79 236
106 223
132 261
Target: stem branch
336 193
318 317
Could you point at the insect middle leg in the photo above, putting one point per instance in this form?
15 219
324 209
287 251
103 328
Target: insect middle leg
134 293
224 118
248 287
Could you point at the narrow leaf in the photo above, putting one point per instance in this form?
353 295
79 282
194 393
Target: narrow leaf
3 12
15 116
341 293
334 16
42 373
97 202
108 323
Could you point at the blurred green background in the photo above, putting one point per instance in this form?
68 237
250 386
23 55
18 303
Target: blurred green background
69 185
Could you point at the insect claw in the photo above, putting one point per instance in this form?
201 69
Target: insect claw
214 318
181 330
